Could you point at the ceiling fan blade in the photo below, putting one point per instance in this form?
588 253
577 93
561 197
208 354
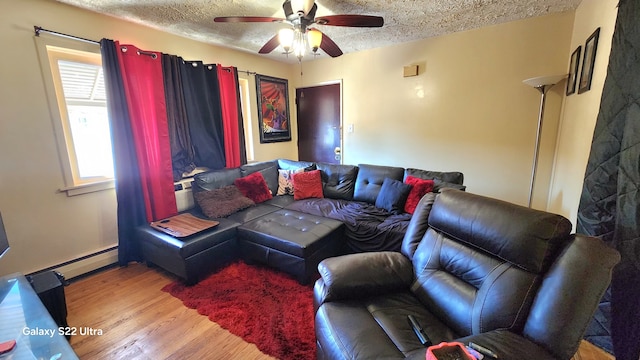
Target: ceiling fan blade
270 45
351 20
239 19
329 46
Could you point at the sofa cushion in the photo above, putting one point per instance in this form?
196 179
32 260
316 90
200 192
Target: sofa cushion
285 181
376 327
215 179
526 237
370 178
439 185
393 194
287 164
419 187
338 181
253 212
254 187
269 170
222 202
281 201
307 185
453 177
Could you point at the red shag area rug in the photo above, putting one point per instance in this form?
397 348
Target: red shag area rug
267 308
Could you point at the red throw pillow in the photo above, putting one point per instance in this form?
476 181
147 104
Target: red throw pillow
419 187
307 185
254 187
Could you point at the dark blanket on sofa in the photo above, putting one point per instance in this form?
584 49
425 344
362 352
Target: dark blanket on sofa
368 228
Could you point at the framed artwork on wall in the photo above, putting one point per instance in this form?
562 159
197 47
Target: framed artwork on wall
273 109
573 71
590 48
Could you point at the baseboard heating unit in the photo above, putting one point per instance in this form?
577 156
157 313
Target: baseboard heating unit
85 264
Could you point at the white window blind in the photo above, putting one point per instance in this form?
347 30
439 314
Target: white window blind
82 82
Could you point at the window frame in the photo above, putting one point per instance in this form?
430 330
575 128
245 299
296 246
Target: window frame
71 50
244 89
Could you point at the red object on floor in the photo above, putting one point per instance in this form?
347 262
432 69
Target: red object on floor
264 307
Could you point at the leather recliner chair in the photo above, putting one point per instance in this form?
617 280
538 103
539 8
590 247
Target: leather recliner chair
472 269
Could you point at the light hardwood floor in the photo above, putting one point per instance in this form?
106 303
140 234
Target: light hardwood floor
139 321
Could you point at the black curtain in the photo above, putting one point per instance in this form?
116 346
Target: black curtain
131 209
202 101
182 155
610 202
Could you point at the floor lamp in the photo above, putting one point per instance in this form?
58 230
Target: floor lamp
542 84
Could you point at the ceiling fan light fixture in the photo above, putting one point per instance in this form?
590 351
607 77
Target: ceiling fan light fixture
301 7
285 37
299 45
314 37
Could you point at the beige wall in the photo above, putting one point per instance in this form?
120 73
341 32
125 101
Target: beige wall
468 110
46 227
580 111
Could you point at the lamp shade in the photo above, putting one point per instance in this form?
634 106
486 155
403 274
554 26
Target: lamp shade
315 39
285 37
544 80
301 6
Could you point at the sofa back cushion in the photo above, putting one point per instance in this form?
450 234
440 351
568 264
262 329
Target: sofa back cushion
287 164
453 177
481 260
370 178
338 181
215 179
527 238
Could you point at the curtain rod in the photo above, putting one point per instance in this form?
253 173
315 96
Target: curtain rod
39 29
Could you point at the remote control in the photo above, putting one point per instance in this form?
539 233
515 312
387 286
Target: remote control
424 339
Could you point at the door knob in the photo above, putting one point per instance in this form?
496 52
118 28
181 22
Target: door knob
337 151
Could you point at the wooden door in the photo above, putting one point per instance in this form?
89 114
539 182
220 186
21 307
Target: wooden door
318 114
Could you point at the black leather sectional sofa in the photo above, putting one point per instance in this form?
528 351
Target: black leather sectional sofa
287 234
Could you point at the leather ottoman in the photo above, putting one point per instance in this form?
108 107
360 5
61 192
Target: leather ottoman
192 257
291 241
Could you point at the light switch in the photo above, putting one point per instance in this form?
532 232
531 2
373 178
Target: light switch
350 128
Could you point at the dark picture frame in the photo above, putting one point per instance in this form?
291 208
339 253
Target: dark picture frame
274 118
572 81
590 49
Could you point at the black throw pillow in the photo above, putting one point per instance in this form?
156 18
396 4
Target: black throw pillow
392 196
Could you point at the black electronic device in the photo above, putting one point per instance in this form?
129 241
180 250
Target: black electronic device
49 285
483 350
417 329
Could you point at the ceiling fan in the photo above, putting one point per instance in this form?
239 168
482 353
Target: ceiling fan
301 15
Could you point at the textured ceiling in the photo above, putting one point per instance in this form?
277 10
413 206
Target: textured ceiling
405 20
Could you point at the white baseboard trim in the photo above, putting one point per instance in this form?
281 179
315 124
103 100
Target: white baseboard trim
85 264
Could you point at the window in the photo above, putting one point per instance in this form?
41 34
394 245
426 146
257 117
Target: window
78 102
246 117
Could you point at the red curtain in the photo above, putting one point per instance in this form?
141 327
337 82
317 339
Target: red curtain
144 91
230 115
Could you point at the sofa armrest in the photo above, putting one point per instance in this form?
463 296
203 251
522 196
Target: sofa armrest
361 275
509 345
